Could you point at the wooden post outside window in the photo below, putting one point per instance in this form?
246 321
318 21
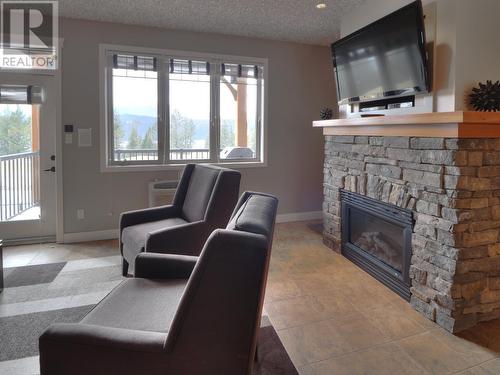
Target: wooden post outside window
241 119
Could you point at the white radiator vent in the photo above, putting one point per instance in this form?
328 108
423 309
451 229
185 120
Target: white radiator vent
162 192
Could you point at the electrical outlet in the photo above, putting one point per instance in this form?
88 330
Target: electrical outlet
80 214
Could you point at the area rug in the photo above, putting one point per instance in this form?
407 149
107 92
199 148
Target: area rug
19 333
272 356
31 275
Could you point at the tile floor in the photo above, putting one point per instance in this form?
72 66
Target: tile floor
332 317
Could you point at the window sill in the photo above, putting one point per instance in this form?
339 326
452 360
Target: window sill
176 167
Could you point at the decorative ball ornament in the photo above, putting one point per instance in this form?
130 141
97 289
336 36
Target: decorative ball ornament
486 97
326 113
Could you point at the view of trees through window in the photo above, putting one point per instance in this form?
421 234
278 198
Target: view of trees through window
189 103
238 112
15 128
135 112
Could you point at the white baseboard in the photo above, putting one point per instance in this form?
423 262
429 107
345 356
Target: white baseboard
112 234
29 241
299 216
109 234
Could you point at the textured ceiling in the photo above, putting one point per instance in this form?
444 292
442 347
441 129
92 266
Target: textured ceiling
290 20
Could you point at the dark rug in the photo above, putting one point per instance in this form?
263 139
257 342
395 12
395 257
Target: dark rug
272 356
31 275
20 333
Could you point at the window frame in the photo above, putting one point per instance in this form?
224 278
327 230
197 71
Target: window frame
164 162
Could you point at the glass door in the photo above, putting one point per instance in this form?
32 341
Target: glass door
27 157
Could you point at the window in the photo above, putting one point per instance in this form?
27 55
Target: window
133 117
239 111
165 108
19 152
189 103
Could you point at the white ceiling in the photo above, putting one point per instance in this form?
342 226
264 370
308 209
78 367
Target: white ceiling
290 20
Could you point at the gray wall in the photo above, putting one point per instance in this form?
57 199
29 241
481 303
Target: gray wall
300 82
467 44
478 47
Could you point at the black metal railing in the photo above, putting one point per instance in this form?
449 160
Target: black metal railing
175 154
19 183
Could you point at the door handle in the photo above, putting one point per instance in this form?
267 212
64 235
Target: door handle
51 169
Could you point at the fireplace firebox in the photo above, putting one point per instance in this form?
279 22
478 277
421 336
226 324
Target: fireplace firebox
376 236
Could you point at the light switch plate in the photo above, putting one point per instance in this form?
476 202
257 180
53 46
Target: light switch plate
84 137
68 138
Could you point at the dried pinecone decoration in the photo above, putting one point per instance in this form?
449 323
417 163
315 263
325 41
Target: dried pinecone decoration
326 113
486 97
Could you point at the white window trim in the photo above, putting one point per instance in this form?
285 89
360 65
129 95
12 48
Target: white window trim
103 102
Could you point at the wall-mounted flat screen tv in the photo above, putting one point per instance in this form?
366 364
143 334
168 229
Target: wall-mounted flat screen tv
384 59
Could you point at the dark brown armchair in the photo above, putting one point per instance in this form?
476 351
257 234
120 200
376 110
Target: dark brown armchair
203 202
180 314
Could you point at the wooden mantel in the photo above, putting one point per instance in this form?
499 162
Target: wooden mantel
438 124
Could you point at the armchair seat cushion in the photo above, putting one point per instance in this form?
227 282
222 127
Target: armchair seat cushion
139 304
134 237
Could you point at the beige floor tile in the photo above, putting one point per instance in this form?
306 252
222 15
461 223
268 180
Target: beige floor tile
279 290
312 342
67 252
485 334
442 353
17 256
294 311
488 368
360 333
332 317
394 323
382 360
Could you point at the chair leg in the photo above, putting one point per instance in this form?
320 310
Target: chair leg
124 267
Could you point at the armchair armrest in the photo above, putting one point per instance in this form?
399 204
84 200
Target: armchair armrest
187 239
89 349
164 266
146 215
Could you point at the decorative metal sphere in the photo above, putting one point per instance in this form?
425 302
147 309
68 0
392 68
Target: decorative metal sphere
486 97
326 113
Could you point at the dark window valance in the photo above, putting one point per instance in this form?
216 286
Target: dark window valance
241 70
135 62
181 66
20 94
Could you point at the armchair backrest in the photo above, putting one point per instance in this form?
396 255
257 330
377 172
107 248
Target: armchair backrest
217 321
207 192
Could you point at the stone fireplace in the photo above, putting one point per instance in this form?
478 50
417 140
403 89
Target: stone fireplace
451 189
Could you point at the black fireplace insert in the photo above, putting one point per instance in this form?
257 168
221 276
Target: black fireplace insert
376 236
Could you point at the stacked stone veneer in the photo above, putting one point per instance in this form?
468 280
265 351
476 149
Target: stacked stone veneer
453 188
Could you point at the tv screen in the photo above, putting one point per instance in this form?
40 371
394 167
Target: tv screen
386 58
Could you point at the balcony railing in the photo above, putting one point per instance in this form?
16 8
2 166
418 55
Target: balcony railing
175 154
19 183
